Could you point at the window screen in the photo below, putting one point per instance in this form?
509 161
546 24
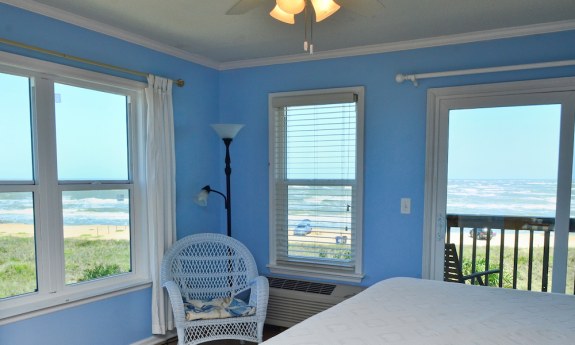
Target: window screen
315 182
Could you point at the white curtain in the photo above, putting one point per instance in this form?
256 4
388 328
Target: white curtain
160 191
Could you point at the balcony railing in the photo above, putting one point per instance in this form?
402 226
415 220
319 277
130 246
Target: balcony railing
466 229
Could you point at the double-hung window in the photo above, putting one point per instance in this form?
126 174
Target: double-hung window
316 183
69 186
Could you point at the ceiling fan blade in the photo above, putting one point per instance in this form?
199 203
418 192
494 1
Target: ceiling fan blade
244 6
366 8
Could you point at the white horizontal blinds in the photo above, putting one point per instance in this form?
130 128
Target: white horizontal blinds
316 180
308 100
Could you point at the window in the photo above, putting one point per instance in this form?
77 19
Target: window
477 182
316 183
17 235
69 186
92 148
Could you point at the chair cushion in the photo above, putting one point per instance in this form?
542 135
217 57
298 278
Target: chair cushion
216 308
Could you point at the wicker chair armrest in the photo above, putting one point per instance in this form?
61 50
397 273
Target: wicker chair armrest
177 302
259 295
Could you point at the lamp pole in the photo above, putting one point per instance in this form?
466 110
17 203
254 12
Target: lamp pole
228 171
227 132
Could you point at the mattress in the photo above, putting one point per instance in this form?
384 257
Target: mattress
416 311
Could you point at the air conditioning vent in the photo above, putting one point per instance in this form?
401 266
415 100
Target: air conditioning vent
293 300
301 285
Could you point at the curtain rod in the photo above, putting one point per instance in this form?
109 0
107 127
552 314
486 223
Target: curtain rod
179 82
400 78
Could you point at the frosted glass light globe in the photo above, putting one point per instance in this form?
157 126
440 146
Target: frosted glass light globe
291 6
280 15
202 198
227 131
324 9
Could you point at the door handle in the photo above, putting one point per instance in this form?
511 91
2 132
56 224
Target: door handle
440 227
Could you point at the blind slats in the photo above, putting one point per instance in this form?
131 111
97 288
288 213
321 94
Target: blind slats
331 98
315 163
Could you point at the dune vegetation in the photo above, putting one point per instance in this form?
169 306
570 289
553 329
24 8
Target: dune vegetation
85 259
522 267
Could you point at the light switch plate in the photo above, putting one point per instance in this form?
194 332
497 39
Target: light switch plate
406 205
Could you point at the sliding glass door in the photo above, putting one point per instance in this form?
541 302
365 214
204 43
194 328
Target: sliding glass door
504 183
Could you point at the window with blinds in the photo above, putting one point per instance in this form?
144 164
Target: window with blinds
315 170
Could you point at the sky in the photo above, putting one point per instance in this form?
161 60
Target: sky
504 143
91 132
490 143
15 143
321 141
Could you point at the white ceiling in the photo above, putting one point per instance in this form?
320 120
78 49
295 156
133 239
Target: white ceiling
202 27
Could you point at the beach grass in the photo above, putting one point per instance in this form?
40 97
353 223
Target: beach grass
85 259
327 251
17 265
522 266
89 258
341 252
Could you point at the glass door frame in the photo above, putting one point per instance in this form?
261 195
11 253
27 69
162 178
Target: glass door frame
440 102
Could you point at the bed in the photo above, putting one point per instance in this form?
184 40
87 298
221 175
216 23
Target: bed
416 311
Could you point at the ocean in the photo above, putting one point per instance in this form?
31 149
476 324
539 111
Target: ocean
108 207
533 198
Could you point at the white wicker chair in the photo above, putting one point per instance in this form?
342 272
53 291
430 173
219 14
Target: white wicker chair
214 266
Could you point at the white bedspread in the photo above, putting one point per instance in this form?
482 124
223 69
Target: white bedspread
415 311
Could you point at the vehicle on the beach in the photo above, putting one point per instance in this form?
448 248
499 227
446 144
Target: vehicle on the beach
303 228
482 233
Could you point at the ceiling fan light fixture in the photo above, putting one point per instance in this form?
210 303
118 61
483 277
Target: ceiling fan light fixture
324 9
280 15
291 6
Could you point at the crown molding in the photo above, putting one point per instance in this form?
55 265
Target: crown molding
408 45
108 30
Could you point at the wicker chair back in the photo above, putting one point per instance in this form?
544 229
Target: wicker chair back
209 266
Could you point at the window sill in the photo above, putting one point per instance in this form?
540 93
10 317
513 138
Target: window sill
65 301
316 273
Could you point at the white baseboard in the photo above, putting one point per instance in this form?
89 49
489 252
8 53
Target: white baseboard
155 339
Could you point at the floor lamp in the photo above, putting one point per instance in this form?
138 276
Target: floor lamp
227 133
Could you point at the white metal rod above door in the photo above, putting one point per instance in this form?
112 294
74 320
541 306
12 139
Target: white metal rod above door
400 78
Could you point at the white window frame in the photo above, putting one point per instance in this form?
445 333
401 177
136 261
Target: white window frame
317 271
439 102
53 294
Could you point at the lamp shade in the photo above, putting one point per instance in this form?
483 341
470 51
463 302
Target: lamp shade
202 197
324 9
291 6
280 15
227 131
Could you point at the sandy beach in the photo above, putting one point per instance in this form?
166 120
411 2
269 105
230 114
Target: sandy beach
324 236
121 232
105 232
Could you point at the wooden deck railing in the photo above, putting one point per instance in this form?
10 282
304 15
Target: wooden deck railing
466 223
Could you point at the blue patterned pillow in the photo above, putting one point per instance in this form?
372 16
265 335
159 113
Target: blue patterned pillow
216 308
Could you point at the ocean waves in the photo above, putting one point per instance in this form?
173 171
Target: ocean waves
536 198
79 208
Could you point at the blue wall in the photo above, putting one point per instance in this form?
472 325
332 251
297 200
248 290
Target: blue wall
394 148
395 124
124 319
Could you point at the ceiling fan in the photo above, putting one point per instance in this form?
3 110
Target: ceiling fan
320 9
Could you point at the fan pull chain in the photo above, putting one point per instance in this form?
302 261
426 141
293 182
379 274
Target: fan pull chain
305 30
311 34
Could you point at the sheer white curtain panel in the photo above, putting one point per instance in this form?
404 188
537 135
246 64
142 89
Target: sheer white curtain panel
161 191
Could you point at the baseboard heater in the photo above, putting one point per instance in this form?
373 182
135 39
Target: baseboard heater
293 300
